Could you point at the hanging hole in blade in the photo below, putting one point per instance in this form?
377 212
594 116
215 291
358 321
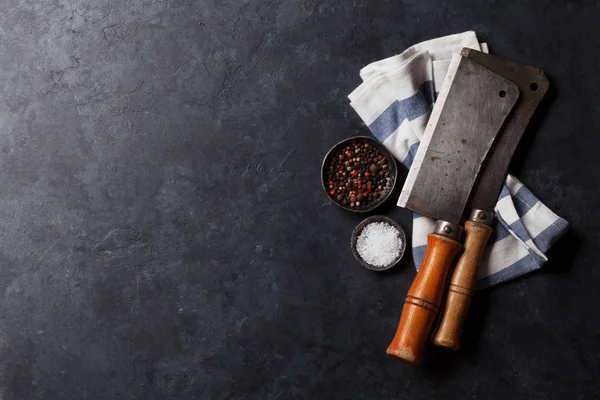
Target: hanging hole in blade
502 93
533 86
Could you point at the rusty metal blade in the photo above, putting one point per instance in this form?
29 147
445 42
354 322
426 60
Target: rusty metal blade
473 104
533 86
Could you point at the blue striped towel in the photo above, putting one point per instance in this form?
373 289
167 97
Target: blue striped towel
395 101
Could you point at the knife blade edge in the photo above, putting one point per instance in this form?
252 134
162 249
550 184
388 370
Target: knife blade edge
434 118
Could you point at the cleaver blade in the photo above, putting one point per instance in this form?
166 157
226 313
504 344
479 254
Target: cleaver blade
471 108
533 86
461 130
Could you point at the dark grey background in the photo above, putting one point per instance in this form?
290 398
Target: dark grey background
163 230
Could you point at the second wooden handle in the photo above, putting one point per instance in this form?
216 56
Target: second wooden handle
462 286
423 299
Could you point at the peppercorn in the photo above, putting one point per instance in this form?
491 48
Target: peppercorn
357 175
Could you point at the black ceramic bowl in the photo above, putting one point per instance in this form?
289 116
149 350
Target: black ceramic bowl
359 228
391 181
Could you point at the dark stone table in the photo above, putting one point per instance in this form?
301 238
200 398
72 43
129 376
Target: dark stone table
164 234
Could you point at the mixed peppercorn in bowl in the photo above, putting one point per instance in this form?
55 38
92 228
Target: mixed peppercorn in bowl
359 174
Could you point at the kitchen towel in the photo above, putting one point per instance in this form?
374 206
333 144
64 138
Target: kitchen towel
395 101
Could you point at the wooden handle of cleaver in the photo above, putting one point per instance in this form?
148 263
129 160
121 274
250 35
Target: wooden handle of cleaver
462 286
423 299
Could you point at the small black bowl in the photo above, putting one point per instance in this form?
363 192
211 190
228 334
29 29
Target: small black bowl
391 182
359 228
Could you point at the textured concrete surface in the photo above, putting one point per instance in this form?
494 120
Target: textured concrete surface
163 234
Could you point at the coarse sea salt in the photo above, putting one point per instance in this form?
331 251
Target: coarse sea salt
379 244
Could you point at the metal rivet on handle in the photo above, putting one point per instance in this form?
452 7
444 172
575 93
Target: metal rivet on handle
482 216
448 229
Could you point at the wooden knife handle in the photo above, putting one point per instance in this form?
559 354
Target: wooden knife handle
423 299
462 286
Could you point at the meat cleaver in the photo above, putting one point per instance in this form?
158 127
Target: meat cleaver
533 86
471 108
